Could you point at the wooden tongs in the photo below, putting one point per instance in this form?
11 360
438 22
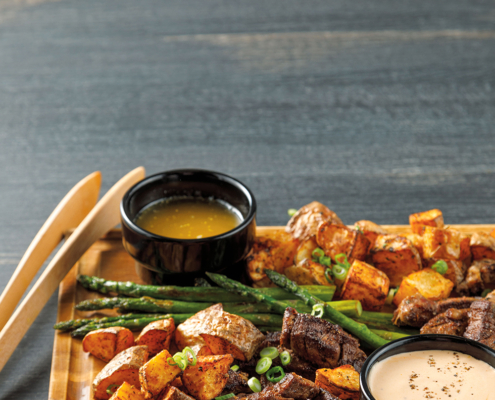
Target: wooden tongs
76 210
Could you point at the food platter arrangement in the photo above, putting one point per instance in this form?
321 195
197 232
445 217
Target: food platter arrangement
321 304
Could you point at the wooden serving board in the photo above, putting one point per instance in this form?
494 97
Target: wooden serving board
73 371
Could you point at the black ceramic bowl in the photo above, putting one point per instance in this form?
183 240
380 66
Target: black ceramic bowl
163 260
423 342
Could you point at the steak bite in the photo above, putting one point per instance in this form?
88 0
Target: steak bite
287 325
481 325
295 387
320 342
236 383
451 322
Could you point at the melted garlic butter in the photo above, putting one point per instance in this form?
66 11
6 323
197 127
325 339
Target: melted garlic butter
433 374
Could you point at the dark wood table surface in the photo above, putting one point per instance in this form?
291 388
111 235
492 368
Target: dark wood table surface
375 108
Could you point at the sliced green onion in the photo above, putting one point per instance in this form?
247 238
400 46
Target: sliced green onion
254 384
270 352
271 374
485 292
339 272
325 260
329 275
318 310
225 397
190 356
341 260
317 253
291 212
171 362
111 389
440 266
234 368
180 360
263 365
358 228
285 358
390 296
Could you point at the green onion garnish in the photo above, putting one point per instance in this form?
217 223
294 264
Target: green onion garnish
440 266
390 296
225 397
111 389
234 368
270 352
291 212
329 275
271 374
190 356
179 360
485 292
254 384
341 260
285 358
318 310
263 365
326 261
317 253
339 272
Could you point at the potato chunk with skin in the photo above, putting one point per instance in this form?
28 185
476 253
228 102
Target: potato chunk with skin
455 272
172 393
427 282
106 343
157 335
370 230
307 272
336 239
366 284
206 379
417 242
342 382
482 246
157 374
442 244
275 253
426 218
124 367
396 256
304 223
127 392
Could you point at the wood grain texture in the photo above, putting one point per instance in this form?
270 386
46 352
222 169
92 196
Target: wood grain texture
376 108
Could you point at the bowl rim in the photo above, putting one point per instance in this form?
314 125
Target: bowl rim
124 205
373 357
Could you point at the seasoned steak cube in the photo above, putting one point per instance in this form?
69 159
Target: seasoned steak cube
325 395
296 387
236 383
481 325
451 322
288 324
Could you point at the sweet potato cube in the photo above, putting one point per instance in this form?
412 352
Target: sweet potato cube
366 284
157 335
124 367
482 246
156 374
442 244
335 239
342 382
206 379
370 230
426 218
396 256
172 393
427 282
127 392
106 343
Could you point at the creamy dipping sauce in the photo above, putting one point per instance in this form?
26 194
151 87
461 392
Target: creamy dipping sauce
432 374
188 218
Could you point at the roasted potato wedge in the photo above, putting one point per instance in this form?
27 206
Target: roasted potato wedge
426 218
337 239
417 242
157 335
106 343
455 272
366 284
307 272
206 379
370 230
304 223
396 256
172 393
444 244
305 250
275 253
157 374
127 392
482 246
124 367
342 382
427 282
